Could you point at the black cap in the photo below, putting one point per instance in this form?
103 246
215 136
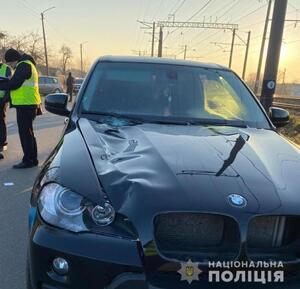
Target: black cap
12 55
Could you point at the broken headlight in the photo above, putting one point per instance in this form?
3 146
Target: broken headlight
68 210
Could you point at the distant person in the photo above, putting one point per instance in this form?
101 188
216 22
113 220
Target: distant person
5 71
70 86
25 97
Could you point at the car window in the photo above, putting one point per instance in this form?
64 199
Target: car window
42 80
48 80
171 91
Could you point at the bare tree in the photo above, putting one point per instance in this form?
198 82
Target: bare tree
30 43
34 47
3 36
18 42
67 55
251 79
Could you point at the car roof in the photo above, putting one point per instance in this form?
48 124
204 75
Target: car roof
156 60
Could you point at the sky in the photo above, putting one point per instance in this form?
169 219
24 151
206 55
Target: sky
111 27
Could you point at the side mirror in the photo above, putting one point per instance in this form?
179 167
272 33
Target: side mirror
57 103
280 117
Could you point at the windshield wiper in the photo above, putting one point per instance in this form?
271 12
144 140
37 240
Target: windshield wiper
171 122
221 122
129 118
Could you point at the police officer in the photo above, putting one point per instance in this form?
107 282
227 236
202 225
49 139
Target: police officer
5 71
25 97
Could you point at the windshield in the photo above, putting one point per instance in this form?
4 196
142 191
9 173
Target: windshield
171 92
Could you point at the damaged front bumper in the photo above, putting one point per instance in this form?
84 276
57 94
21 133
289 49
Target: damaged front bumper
105 262
94 261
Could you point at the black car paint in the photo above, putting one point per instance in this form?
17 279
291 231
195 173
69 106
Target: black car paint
139 169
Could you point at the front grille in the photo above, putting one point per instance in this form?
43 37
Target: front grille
274 238
199 237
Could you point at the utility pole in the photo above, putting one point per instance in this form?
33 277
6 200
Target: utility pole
153 40
45 45
160 43
232 47
273 56
246 55
81 58
185 49
44 36
262 49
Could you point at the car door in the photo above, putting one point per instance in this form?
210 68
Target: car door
49 85
56 85
42 85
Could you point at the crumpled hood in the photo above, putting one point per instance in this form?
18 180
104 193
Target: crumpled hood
147 169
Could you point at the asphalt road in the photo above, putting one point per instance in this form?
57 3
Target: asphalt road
15 199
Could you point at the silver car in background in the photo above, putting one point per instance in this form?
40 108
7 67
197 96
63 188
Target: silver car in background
77 84
49 84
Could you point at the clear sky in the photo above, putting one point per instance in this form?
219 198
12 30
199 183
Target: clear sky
110 27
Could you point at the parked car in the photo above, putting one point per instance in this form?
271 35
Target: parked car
162 161
77 84
49 84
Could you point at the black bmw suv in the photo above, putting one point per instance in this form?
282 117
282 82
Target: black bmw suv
164 168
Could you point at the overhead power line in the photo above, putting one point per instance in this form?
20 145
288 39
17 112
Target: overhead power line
235 20
293 6
252 12
179 7
192 17
200 10
234 3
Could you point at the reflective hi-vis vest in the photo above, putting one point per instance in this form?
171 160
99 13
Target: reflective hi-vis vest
28 93
3 70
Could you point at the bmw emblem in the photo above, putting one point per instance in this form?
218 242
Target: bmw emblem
237 201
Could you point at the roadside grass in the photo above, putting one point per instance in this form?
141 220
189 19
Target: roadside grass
292 130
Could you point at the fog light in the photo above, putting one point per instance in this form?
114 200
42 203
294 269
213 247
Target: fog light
103 216
60 266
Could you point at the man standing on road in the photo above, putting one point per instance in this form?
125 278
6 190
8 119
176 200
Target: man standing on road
70 84
25 97
5 71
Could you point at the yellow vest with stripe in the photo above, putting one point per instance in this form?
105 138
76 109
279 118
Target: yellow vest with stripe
3 70
28 93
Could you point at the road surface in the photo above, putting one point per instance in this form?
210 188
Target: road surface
15 199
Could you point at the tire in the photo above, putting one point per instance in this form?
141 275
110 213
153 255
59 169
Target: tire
57 90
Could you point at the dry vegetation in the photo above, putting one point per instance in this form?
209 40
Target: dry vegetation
292 130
